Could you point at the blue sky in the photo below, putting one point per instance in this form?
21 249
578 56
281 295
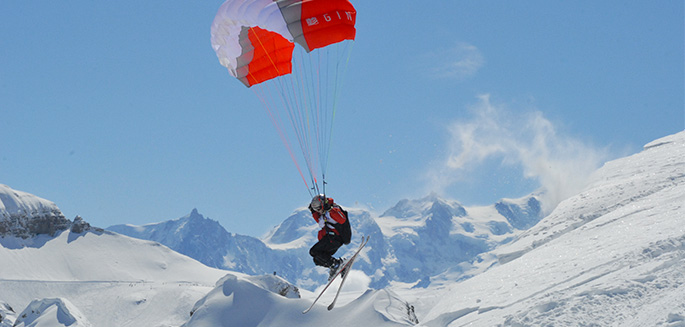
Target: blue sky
120 112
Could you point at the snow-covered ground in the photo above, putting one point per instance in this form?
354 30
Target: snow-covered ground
239 302
112 279
51 312
609 256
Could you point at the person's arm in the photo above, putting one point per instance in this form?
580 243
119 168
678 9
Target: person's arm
337 215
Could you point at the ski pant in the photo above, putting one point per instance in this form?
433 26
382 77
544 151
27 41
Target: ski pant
322 252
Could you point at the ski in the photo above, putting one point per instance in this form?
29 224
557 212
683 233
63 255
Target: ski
346 270
346 267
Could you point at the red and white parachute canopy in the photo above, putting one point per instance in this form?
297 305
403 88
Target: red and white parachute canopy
255 40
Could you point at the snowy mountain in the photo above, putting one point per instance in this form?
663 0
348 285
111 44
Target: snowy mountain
413 240
25 215
609 256
208 242
431 235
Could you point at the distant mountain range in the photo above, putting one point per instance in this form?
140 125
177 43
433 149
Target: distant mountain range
412 241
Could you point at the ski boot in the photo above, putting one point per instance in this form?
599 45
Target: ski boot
335 267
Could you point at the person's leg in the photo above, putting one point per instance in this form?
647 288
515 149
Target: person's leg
322 252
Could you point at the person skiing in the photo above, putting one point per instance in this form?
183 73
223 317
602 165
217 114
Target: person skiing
335 231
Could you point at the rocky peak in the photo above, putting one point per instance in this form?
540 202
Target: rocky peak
521 214
429 206
25 215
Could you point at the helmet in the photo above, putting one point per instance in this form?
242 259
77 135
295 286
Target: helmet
319 202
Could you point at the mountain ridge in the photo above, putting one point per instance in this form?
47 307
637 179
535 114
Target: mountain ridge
428 223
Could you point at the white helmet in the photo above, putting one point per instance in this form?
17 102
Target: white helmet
319 202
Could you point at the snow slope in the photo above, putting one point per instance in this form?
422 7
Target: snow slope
113 280
13 202
238 302
94 256
609 256
7 315
51 313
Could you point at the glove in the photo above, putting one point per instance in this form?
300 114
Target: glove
322 222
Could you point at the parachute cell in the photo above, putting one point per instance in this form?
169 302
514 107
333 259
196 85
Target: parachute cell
271 58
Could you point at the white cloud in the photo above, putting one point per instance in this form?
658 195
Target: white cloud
458 62
561 164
